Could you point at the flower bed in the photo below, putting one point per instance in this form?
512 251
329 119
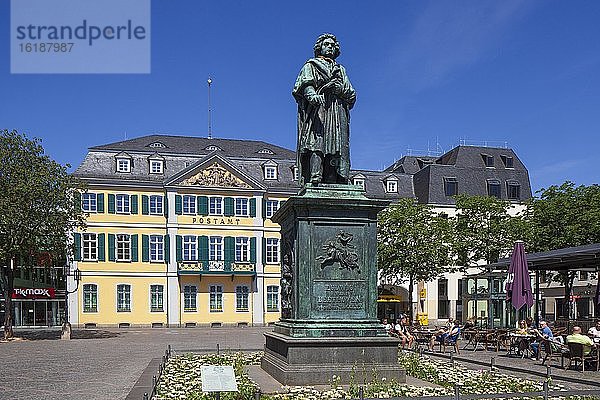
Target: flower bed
181 380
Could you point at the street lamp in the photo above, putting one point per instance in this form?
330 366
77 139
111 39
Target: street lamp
66 328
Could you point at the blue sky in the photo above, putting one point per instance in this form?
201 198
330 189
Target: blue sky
427 73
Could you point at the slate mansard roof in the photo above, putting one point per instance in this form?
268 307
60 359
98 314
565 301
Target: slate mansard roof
416 177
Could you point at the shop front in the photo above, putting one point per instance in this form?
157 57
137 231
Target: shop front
37 307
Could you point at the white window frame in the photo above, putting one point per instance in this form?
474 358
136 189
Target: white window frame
359 182
156 166
215 248
215 205
122 203
510 184
89 202
188 204
215 300
123 247
242 298
89 246
295 173
124 298
90 301
123 165
160 298
191 298
391 186
270 172
272 250
271 207
242 249
242 208
272 298
189 248
155 204
156 249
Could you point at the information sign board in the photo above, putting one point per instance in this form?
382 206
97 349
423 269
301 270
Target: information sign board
218 378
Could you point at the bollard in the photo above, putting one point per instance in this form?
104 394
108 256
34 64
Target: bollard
153 381
257 395
546 390
145 396
169 348
492 363
456 392
548 372
163 359
217 348
159 369
452 359
361 393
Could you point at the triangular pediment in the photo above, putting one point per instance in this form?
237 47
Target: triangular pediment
214 172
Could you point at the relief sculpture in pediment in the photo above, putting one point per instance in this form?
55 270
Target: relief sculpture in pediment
215 176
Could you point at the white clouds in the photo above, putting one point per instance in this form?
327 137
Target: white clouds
450 35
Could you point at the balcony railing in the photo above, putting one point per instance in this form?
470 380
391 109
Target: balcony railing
216 267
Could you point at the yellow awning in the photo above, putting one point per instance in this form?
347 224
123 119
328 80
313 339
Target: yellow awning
389 298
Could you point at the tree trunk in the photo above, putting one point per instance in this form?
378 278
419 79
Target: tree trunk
411 284
567 278
8 290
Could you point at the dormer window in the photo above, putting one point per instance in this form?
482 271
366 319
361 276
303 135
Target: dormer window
157 145
508 161
493 188
488 160
265 151
123 165
156 166
359 182
450 186
270 172
513 190
212 147
391 186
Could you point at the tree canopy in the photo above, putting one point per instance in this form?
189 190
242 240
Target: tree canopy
413 243
38 208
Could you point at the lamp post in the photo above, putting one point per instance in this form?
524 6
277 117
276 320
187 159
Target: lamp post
66 328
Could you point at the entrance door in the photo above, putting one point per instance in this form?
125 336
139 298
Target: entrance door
40 313
28 313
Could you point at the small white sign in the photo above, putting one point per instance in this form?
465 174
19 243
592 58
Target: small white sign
218 378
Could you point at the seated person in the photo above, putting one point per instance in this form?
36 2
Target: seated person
388 327
595 331
546 333
405 335
577 337
522 329
444 334
469 324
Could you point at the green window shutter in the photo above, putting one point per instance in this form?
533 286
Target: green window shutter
264 250
111 203
100 203
228 209
134 203
229 251
167 249
145 248
145 205
134 248
101 246
77 201
252 249
77 246
178 205
253 207
179 248
203 248
111 247
202 205
166 206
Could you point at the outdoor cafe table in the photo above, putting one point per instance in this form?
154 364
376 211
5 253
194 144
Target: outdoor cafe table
520 343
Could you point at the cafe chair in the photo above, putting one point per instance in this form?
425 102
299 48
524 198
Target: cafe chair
576 354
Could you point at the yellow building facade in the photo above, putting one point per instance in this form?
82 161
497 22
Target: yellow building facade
179 233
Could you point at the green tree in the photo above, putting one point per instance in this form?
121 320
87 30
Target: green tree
38 209
413 243
564 216
485 229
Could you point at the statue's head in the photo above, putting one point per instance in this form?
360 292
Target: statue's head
327 46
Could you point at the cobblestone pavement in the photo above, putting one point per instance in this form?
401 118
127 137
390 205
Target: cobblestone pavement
101 364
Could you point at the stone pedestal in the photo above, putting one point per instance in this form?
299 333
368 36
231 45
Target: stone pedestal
329 320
